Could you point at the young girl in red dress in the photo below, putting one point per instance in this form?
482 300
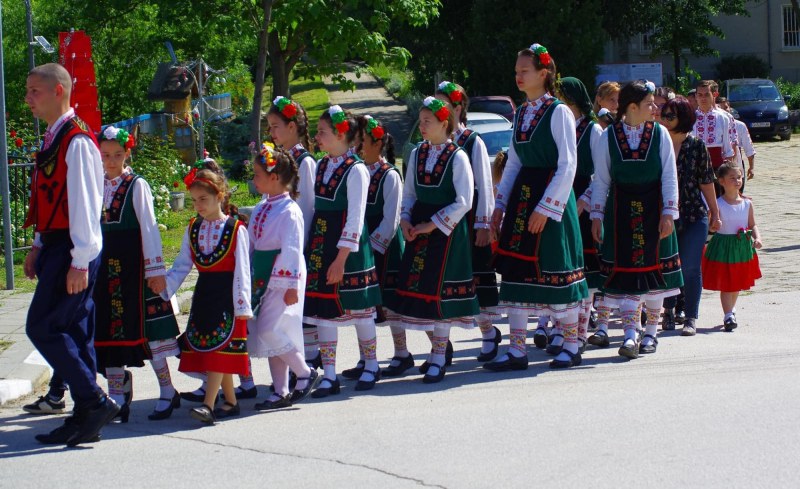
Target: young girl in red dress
730 262
215 340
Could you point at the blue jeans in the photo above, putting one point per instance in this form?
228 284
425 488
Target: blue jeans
691 240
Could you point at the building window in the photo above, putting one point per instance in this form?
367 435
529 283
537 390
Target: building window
645 45
791 28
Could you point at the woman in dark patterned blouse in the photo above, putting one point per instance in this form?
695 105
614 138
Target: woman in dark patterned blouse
697 207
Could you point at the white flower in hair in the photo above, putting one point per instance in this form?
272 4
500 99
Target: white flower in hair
277 99
428 101
335 109
651 87
111 132
535 46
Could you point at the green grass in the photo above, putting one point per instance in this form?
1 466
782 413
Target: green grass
5 344
398 82
311 94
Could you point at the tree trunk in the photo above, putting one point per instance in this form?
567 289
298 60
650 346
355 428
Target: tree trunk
280 71
261 69
676 59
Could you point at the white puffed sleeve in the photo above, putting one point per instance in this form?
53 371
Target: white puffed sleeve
556 195
357 183
241 275
151 236
601 181
289 271
447 218
669 175
392 193
482 174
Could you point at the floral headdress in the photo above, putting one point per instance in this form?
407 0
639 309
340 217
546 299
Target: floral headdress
190 177
541 52
267 156
649 86
286 106
451 90
374 128
437 107
123 137
339 118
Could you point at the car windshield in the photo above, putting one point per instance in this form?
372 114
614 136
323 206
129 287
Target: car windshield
496 141
493 106
753 91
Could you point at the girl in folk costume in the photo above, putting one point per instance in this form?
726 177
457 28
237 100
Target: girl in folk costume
478 218
540 252
133 322
435 288
279 273
573 93
383 219
342 286
215 341
730 262
288 128
634 202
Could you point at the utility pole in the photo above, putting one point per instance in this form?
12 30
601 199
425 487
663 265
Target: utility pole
201 106
31 59
7 249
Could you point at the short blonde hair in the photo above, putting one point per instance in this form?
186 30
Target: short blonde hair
54 73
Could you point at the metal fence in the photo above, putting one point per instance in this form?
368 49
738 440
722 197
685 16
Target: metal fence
19 181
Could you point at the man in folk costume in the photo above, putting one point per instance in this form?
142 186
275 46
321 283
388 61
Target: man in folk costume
713 126
66 202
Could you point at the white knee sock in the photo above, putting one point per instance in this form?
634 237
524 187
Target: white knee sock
367 345
328 338
166 390
116 379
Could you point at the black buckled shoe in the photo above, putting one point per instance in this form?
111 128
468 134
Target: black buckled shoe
540 338
630 352
651 348
233 410
366 385
730 324
175 402
680 316
433 379
581 345
242 393
592 320
498 337
555 349
91 420
279 403
448 359
203 414
315 362
575 359
312 383
127 387
600 339
509 363
404 364
192 397
668 321
324 390
355 372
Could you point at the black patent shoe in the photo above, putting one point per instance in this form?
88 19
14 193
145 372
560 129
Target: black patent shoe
575 359
540 338
365 385
192 397
242 393
399 369
646 349
730 324
434 379
510 363
60 435
233 410
355 372
668 321
630 352
127 387
592 320
555 349
680 316
581 346
123 414
203 414
175 402
315 362
448 359
498 337
279 403
311 384
600 339
324 390
91 420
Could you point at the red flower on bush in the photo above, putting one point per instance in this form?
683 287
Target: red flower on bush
19 142
13 133
175 184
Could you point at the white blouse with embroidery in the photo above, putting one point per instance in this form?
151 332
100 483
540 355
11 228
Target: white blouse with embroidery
447 218
306 172
594 138
713 128
208 238
482 175
357 183
556 195
602 169
142 200
381 238
277 224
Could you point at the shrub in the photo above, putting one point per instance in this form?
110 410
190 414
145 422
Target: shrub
741 66
234 138
791 89
158 162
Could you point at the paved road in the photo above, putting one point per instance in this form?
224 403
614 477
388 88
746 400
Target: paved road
715 411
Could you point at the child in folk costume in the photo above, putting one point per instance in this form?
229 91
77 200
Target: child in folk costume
342 286
132 321
279 273
730 261
540 252
587 134
435 288
215 341
478 218
634 202
288 128
383 220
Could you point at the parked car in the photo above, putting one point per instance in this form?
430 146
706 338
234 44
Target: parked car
760 105
496 104
493 128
